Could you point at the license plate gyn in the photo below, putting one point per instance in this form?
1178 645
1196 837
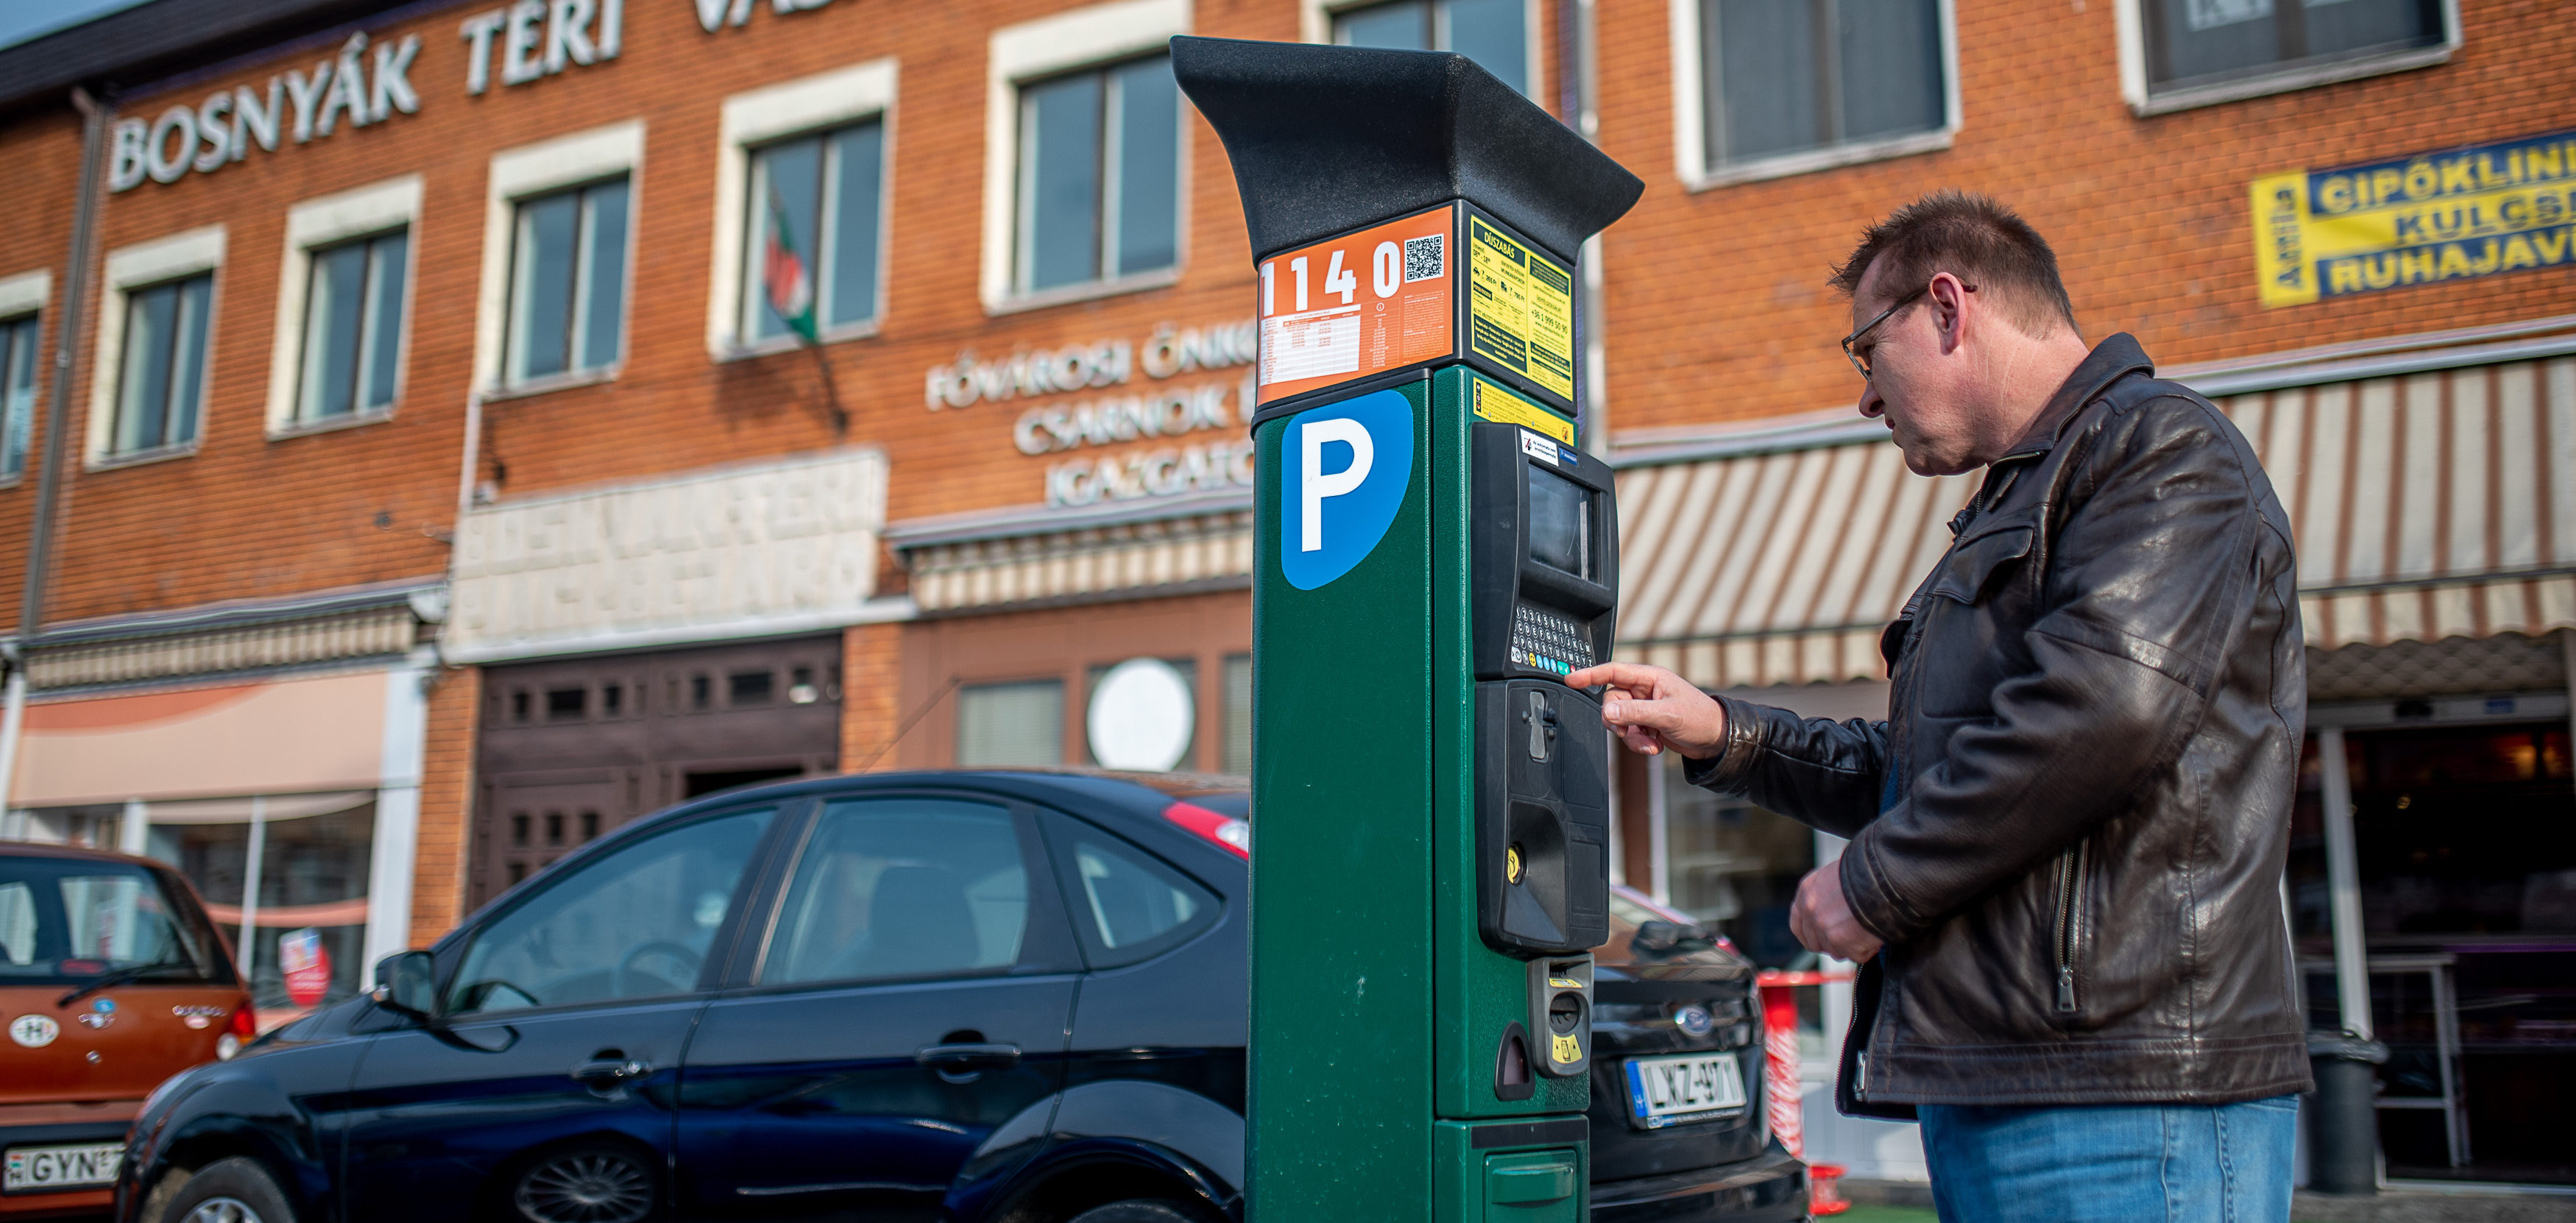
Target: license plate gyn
37 1169
1665 1090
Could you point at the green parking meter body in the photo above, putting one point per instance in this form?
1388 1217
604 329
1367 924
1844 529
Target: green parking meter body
1432 554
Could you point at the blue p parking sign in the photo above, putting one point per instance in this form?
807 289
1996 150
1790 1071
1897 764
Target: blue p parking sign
1347 466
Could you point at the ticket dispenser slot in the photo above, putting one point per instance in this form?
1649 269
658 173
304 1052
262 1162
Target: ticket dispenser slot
1544 538
1560 1001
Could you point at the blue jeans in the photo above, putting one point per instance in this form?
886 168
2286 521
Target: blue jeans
2178 1163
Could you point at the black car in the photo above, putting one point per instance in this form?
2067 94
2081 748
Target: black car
1008 996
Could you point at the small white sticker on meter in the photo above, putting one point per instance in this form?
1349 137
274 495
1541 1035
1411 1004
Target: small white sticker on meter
1538 447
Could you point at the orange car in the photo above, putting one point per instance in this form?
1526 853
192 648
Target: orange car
111 980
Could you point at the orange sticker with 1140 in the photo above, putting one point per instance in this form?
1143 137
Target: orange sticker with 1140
1357 305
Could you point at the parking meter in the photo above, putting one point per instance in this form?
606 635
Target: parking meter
1433 554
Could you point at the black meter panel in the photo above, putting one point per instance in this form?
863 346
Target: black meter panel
1545 563
1544 541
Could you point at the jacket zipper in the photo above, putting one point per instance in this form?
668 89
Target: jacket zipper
2072 867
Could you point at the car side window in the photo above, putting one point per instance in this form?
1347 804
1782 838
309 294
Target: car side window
1128 904
634 922
903 887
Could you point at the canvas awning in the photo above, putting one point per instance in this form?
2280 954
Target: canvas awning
2431 498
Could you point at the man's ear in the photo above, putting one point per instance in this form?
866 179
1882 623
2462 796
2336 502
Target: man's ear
1950 299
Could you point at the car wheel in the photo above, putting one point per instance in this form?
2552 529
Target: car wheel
589 1184
230 1191
1143 1210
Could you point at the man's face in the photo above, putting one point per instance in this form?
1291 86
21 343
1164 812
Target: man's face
1920 379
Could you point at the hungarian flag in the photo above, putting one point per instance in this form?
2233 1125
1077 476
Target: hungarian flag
785 276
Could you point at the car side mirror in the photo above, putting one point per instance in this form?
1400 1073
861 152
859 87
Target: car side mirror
405 985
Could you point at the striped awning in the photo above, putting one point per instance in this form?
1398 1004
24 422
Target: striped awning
2427 505
1020 558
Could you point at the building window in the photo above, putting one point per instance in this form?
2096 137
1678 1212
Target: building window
1788 77
2207 42
17 392
821 195
353 328
1010 724
568 282
1733 866
162 381
1099 175
1494 33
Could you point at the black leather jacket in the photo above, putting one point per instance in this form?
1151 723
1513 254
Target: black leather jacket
2086 774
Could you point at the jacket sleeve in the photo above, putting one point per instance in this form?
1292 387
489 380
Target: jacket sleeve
1819 772
2151 576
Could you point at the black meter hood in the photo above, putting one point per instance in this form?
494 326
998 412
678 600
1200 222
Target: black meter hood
1325 140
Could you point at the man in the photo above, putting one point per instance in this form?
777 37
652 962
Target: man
2067 838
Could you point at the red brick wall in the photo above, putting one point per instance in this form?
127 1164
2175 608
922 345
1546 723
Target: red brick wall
1714 289
872 698
42 152
446 794
1717 303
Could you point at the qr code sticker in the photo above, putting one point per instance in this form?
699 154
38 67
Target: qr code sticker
1422 258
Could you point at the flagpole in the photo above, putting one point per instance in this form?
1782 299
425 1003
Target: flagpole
831 388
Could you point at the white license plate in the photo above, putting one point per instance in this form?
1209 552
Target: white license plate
37 1169
1663 1090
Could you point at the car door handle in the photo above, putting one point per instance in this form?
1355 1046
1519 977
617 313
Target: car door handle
952 1059
606 1072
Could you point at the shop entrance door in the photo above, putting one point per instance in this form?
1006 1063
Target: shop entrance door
2468 896
572 748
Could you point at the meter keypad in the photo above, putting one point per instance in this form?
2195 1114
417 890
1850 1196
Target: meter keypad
1548 642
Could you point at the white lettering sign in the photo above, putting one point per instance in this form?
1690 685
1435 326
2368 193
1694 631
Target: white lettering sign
221 130
539 38
1167 353
1102 422
714 15
1153 473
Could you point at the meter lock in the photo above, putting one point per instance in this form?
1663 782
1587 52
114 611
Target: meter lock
1542 819
1560 1002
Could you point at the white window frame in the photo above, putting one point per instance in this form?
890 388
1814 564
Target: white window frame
377 208
1690 115
142 266
27 293
812 104
535 169
1315 25
2144 100
1098 35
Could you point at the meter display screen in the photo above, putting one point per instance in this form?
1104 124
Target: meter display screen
1560 522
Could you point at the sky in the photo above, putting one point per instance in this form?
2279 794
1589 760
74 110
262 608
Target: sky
21 20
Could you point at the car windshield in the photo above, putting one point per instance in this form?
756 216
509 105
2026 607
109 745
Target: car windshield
71 921
1629 912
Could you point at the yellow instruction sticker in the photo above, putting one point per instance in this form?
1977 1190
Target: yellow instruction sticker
1496 404
1564 1049
1521 308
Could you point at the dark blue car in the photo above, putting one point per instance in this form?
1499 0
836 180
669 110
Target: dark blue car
1006 996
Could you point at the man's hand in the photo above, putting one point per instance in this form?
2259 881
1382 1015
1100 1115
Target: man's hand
1822 919
1652 709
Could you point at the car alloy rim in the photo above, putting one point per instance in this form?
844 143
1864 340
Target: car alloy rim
223 1210
591 1187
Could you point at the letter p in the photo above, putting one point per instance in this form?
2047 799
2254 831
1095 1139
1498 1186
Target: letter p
1313 485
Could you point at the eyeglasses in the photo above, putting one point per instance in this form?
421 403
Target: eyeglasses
1860 362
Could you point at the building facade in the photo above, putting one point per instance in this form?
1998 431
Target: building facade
437 433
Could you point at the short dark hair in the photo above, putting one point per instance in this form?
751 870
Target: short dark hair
1974 238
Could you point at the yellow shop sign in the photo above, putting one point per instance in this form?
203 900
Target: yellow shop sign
2484 210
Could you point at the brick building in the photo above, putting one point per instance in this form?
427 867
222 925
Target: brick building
432 480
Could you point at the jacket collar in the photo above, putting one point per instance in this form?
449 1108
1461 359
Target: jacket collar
2112 359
